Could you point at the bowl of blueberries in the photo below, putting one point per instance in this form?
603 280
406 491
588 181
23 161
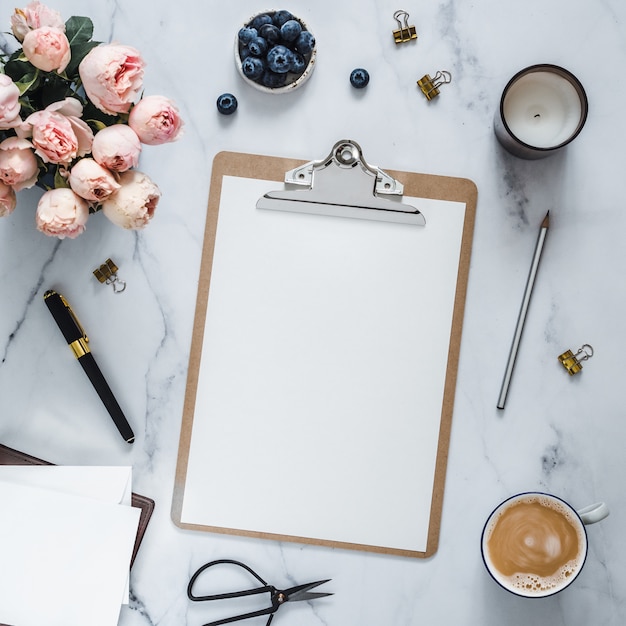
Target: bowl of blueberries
275 51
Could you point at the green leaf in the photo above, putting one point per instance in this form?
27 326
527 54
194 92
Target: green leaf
27 82
18 68
78 29
96 125
79 52
59 181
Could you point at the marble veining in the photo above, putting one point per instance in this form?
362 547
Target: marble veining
558 433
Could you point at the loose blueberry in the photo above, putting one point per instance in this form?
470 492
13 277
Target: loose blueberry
359 78
247 34
253 67
279 59
290 30
305 42
259 20
258 46
227 104
270 33
273 80
298 63
280 17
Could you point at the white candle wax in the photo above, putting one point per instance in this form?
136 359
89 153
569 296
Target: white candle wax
542 109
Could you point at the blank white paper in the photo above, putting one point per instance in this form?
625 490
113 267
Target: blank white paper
322 375
65 557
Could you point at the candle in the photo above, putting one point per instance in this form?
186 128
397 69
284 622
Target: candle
542 109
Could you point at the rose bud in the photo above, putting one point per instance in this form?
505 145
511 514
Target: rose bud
133 205
116 147
9 103
156 120
18 165
8 200
112 76
61 213
91 181
34 15
47 48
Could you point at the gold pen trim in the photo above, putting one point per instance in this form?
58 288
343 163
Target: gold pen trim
79 347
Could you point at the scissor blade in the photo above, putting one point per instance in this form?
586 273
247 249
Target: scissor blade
301 592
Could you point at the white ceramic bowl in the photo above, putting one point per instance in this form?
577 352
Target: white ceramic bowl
294 81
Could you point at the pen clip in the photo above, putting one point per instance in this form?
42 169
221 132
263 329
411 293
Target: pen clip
76 320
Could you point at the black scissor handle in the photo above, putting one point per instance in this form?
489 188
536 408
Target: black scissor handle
234 594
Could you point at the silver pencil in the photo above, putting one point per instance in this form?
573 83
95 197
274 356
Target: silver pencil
523 311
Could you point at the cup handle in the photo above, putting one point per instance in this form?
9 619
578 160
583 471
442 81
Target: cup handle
593 513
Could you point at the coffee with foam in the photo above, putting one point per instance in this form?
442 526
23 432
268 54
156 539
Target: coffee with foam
534 544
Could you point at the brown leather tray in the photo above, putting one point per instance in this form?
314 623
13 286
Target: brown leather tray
9 456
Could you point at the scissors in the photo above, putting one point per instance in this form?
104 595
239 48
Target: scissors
278 597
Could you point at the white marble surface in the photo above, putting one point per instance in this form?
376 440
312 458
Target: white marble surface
559 434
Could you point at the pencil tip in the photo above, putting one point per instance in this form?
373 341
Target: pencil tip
546 220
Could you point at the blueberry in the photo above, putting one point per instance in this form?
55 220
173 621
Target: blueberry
244 53
298 63
279 59
290 30
359 78
270 33
305 42
227 104
253 68
247 34
259 20
258 46
273 80
280 17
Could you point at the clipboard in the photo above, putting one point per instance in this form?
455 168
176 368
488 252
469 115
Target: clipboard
324 356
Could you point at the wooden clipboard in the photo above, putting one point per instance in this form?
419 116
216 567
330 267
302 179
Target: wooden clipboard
203 424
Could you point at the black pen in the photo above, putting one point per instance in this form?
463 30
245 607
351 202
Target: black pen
78 342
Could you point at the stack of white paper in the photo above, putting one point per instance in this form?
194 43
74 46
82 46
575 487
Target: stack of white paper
66 540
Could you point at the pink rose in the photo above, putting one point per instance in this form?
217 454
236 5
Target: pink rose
9 103
47 48
61 213
34 15
112 76
8 200
58 134
91 181
18 165
116 147
134 204
155 119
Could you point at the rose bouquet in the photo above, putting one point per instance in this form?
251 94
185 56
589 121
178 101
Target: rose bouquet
73 120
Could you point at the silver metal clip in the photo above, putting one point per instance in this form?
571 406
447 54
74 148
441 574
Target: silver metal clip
343 185
405 32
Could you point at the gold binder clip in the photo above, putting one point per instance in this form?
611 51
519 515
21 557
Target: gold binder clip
405 32
107 273
430 86
573 362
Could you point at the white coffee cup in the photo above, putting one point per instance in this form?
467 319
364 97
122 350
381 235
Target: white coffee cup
535 544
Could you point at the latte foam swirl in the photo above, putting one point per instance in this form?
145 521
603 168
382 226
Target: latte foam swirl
530 538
